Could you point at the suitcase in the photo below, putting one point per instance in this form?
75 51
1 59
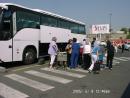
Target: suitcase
96 66
61 60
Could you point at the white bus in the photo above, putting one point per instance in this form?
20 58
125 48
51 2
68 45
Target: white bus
25 33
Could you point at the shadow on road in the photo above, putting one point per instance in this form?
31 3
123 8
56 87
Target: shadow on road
126 93
11 64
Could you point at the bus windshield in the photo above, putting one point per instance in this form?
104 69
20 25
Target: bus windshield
0 15
5 24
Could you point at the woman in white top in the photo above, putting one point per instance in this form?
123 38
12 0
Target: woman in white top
86 54
52 51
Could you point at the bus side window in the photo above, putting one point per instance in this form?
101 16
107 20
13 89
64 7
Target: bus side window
38 26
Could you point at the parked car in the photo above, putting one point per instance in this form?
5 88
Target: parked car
127 46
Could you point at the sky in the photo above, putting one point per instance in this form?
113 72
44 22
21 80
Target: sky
88 11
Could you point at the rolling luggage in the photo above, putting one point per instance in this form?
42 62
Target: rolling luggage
96 66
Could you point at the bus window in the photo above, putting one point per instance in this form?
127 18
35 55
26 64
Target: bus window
49 21
74 28
7 14
5 25
63 24
82 29
0 15
27 20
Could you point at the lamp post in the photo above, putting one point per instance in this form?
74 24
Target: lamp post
110 29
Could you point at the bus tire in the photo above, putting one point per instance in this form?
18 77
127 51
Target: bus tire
29 56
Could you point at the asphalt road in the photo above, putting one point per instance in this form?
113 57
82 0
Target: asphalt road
71 84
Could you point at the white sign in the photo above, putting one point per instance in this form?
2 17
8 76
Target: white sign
103 28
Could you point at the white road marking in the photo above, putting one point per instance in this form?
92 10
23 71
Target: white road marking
64 73
49 77
79 70
115 61
127 58
29 82
120 59
24 68
8 92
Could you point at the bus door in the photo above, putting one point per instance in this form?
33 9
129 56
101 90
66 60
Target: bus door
6 35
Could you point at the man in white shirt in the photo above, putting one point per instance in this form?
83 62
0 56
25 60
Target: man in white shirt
86 54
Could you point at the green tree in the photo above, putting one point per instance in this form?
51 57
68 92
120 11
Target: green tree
125 30
128 36
129 30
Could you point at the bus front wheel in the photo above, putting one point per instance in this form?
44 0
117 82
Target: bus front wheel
29 56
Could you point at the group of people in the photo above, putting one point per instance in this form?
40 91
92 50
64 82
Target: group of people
119 44
88 55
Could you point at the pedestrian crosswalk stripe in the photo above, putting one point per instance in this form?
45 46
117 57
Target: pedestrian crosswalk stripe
80 70
127 58
115 61
64 73
47 76
120 59
8 92
29 82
